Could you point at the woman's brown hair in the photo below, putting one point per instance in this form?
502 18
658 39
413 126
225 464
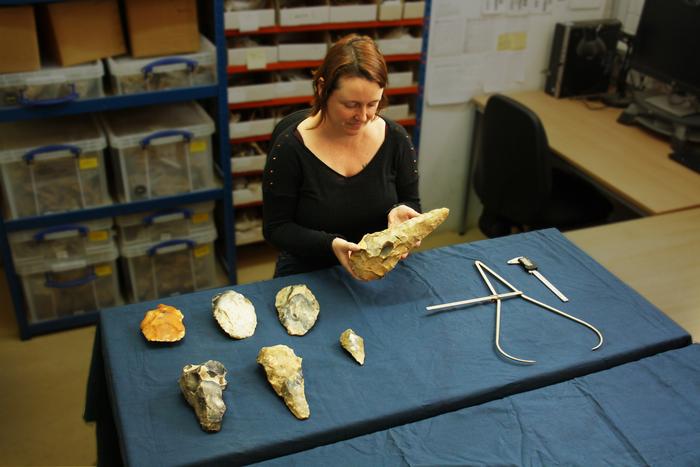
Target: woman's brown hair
351 55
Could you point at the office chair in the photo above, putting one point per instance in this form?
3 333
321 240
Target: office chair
515 180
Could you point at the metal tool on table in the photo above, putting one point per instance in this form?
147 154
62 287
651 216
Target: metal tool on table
531 268
481 267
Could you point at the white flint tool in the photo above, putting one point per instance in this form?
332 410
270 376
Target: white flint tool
531 267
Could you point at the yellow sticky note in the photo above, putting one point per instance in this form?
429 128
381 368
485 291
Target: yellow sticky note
255 58
503 42
103 270
87 163
98 235
202 250
198 145
200 217
518 40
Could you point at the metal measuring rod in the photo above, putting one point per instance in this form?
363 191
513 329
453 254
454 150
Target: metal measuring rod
499 297
531 268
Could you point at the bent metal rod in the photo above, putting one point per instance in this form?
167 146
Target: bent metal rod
515 293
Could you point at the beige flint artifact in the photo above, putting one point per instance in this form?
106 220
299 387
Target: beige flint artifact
283 370
381 251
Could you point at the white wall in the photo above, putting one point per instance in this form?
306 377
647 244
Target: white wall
445 136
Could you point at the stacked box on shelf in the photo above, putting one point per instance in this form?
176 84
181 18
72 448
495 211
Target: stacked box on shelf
161 150
253 52
52 85
343 11
165 224
295 46
131 75
60 242
250 87
247 191
249 16
248 226
397 41
390 10
247 157
52 165
169 267
247 124
296 12
72 285
413 9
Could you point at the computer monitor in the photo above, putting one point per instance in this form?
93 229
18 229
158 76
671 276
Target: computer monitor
666 46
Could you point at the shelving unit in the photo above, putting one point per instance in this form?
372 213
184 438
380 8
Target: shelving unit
214 98
270 33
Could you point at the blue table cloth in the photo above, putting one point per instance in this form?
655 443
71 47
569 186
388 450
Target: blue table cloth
418 365
642 413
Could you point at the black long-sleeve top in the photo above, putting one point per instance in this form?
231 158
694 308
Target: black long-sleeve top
306 204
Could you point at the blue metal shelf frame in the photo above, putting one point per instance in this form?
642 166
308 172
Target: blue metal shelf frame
216 92
421 75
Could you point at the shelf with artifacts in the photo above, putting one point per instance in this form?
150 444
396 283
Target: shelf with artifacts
70 284
273 48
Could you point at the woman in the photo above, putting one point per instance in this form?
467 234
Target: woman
340 170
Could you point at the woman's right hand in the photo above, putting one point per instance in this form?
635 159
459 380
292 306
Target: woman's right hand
342 250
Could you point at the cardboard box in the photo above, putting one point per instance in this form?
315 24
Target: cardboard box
19 46
81 31
162 27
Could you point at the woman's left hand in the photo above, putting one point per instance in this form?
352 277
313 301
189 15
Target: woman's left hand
400 214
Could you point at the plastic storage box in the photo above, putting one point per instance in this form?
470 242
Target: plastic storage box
70 287
57 243
171 267
52 85
131 75
158 226
160 150
52 165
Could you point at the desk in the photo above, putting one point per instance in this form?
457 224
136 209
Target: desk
659 256
418 365
627 161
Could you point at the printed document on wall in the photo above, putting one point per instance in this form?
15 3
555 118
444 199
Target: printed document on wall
453 80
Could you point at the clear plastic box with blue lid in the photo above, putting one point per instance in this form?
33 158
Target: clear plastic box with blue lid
131 75
52 85
71 286
170 267
52 165
160 150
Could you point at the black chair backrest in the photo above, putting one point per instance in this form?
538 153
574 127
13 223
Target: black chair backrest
513 175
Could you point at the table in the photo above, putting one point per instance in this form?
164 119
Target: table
418 365
659 256
626 161
640 413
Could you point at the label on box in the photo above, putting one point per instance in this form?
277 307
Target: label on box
198 145
202 250
87 163
200 217
255 58
98 236
103 270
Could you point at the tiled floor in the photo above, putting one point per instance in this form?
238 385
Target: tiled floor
44 378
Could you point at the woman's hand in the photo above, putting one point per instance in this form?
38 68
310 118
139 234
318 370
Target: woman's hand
342 250
400 214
